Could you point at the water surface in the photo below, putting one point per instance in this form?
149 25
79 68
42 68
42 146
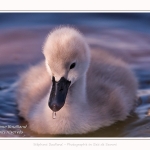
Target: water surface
126 36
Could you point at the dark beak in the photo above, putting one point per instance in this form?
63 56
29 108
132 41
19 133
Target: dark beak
58 93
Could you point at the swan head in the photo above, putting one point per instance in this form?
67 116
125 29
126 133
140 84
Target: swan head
67 59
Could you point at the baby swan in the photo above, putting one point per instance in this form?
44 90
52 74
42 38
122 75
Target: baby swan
87 89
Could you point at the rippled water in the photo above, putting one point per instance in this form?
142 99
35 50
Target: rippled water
132 45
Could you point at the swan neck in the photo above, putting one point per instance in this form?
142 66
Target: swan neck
78 90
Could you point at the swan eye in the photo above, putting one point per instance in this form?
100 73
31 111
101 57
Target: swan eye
72 65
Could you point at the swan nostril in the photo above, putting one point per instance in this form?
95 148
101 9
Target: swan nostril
61 89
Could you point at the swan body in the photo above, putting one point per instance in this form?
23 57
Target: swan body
102 88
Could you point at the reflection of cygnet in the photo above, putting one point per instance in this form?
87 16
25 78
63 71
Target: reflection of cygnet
87 89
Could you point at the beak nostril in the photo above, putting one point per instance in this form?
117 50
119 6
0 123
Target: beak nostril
61 89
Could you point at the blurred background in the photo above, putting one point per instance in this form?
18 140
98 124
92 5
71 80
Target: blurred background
125 35
132 21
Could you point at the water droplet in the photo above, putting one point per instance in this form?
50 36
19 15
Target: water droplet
54 115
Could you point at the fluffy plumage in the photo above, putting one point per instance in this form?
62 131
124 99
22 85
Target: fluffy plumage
102 91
